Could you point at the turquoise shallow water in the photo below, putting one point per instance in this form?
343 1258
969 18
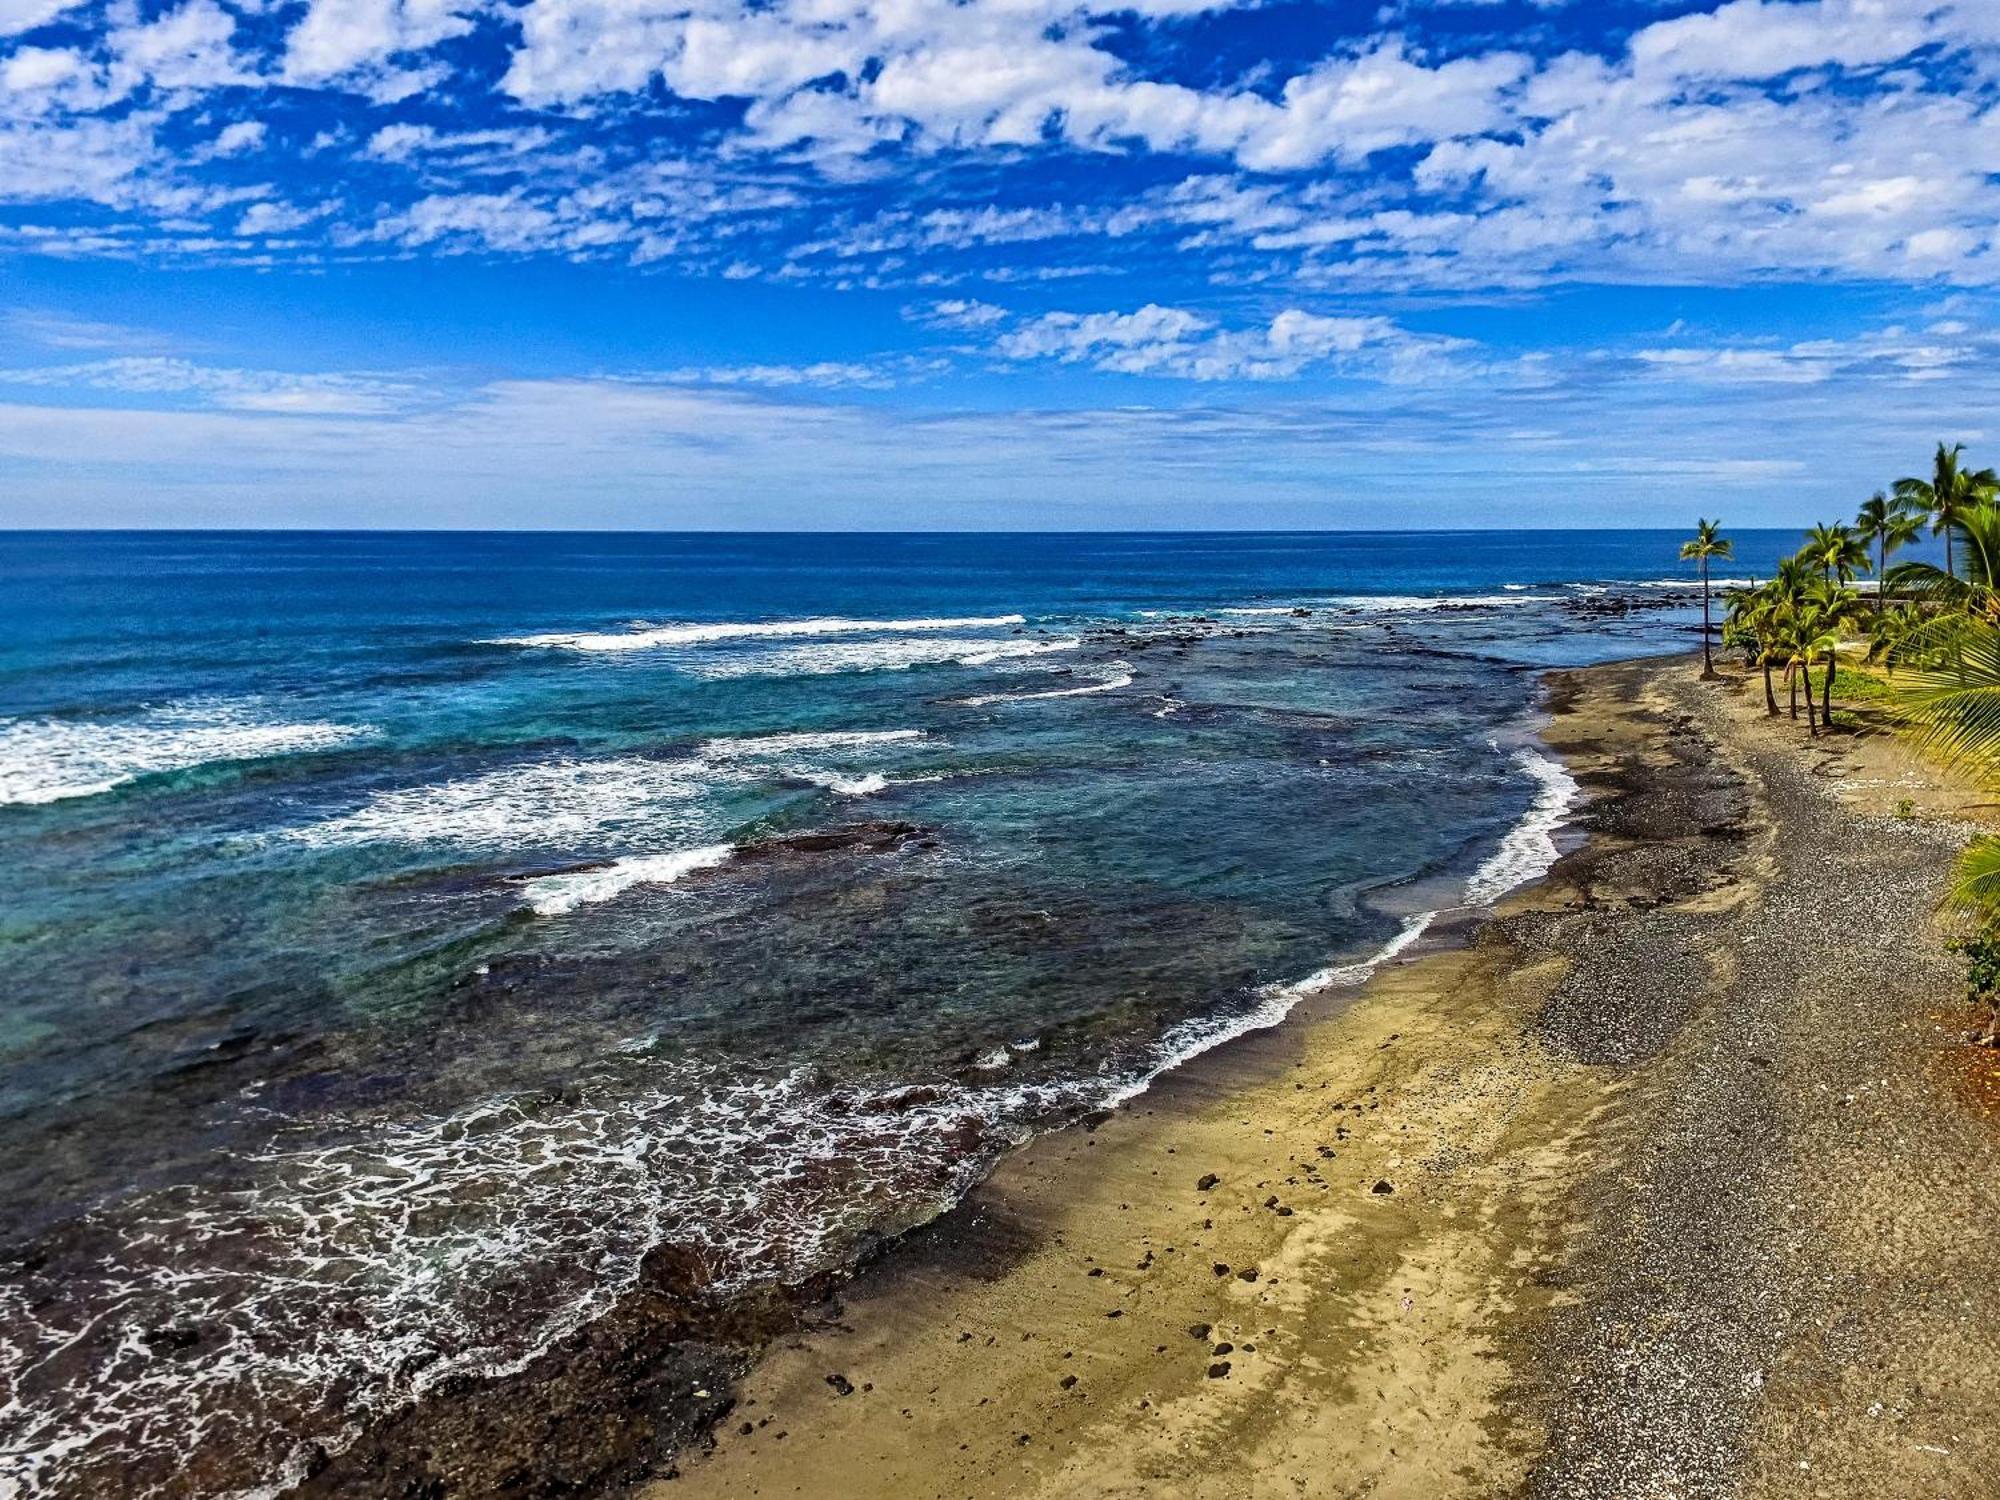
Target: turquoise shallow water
408 933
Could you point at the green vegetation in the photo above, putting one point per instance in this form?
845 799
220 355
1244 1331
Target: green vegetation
1793 624
1934 632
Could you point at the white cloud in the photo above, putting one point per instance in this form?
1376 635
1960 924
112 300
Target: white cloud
57 330
1175 342
576 452
223 388
356 41
244 135
820 375
274 218
192 47
17 16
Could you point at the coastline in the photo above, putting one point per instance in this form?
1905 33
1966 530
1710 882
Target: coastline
1418 1269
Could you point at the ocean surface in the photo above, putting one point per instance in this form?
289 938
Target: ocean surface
406 934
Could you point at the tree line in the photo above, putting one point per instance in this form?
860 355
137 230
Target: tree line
1935 631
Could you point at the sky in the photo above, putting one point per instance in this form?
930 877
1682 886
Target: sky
990 264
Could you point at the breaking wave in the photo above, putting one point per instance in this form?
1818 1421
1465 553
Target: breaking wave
1529 847
51 760
555 895
647 638
1118 675
828 657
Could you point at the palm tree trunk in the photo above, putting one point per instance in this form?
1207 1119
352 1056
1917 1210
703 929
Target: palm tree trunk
1881 572
1826 695
1707 660
1770 698
1949 570
1792 683
1812 723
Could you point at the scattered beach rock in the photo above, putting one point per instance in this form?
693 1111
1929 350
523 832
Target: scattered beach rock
1206 1181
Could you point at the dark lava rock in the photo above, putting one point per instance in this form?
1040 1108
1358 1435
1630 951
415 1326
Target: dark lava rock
1383 1186
1198 1330
1218 1370
842 1386
1248 1273
874 837
170 1340
1067 1381
1205 1182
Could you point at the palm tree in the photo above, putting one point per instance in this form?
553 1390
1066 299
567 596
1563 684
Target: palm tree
1888 525
1948 494
1890 632
1747 621
1707 542
1836 551
1831 609
1978 590
1802 648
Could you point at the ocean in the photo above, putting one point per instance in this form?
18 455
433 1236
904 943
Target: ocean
409 935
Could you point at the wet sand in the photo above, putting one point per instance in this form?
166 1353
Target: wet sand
1671 1180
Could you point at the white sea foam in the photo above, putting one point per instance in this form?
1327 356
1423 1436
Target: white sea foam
795 744
569 801
1691 583
1529 848
827 657
554 895
650 637
850 786
51 760
1118 675
355 1277
1417 603
544 803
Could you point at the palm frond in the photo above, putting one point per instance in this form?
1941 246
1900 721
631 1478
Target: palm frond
1975 879
1950 694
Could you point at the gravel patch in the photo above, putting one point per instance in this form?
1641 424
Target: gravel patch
1738 1311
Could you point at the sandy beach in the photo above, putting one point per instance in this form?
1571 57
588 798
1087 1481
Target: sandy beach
1672 1179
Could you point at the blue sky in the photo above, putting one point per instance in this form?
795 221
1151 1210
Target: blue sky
989 263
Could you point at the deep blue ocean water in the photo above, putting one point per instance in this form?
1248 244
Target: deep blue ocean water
408 932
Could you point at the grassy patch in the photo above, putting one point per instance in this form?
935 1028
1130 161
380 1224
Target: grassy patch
1859 686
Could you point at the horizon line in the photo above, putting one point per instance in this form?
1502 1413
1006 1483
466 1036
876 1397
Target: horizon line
32 531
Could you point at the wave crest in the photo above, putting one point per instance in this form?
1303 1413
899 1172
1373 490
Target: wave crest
648 638
53 760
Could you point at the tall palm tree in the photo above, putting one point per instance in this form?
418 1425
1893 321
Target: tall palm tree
1948 494
1888 525
1706 543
